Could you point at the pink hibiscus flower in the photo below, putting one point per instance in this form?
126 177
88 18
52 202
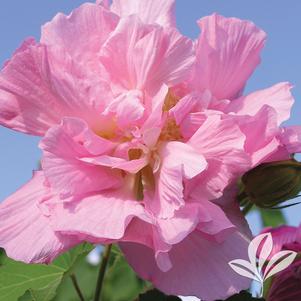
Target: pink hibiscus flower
144 135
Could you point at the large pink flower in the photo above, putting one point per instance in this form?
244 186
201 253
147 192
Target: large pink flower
142 132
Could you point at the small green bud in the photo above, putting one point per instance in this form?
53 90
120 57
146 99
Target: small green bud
270 184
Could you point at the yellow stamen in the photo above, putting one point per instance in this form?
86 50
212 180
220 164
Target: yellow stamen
170 101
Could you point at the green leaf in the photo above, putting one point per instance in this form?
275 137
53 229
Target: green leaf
154 294
36 282
272 217
121 282
86 275
46 293
67 260
16 278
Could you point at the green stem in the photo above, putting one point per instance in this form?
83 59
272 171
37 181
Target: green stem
102 271
77 288
247 208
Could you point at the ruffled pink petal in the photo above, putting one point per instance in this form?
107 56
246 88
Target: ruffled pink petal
175 154
25 93
194 102
219 227
228 51
261 133
155 114
231 208
37 78
101 216
207 217
174 230
222 143
291 138
82 93
220 174
63 146
191 124
142 57
193 271
155 11
82 33
283 238
217 137
25 233
128 108
278 97
179 161
132 166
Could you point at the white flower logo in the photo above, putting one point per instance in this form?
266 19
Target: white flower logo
261 267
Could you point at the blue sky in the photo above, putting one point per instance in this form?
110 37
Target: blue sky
281 61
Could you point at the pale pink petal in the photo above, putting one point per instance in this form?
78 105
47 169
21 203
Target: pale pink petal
100 216
175 229
228 51
278 97
132 166
128 108
217 137
231 208
155 11
291 138
63 146
173 61
207 217
220 174
38 78
140 56
219 227
82 33
151 136
192 123
25 93
116 53
194 102
176 154
25 233
194 272
179 161
155 110
140 231
222 143
261 133
83 93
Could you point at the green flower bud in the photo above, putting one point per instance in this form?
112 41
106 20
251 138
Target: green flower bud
270 184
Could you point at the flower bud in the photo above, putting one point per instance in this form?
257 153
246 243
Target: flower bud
270 184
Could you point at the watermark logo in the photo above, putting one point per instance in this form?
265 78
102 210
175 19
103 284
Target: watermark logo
261 264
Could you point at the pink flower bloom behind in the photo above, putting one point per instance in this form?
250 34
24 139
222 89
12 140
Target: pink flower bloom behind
286 284
143 133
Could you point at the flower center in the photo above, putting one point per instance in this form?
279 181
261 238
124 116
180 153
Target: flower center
144 178
170 101
171 131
